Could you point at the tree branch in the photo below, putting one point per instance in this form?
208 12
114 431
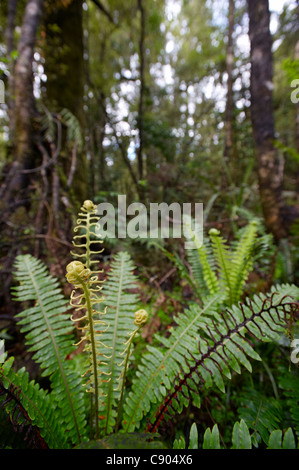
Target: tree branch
104 10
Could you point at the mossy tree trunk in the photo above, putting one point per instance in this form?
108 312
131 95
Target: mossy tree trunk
64 67
270 168
13 191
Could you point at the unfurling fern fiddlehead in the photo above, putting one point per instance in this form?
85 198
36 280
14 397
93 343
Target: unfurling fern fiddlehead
85 298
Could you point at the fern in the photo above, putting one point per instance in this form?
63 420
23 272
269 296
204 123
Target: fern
261 414
47 331
121 306
159 366
280 440
223 261
206 343
202 349
216 267
74 133
85 299
201 263
240 439
242 260
289 383
29 405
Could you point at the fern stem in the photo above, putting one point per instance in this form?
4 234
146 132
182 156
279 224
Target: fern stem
124 379
272 380
93 352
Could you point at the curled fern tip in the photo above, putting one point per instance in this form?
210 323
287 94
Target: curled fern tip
141 317
76 273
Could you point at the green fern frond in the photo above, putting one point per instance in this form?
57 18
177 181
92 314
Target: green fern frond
242 260
218 267
211 438
241 438
224 346
47 330
261 414
201 350
29 405
159 366
234 264
201 262
289 383
121 306
222 256
74 133
282 440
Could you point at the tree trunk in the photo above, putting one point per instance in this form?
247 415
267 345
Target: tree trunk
24 106
229 95
64 65
296 57
270 170
24 99
64 68
142 89
9 41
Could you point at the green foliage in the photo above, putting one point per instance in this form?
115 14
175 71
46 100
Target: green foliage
262 414
215 266
289 383
121 306
47 330
291 67
206 345
31 407
240 439
126 441
280 440
222 345
211 438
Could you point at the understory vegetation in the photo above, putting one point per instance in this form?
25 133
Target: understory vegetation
114 335
208 366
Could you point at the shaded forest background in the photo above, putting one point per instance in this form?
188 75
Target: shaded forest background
173 101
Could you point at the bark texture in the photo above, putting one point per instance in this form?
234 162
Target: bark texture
24 104
229 95
23 81
270 168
